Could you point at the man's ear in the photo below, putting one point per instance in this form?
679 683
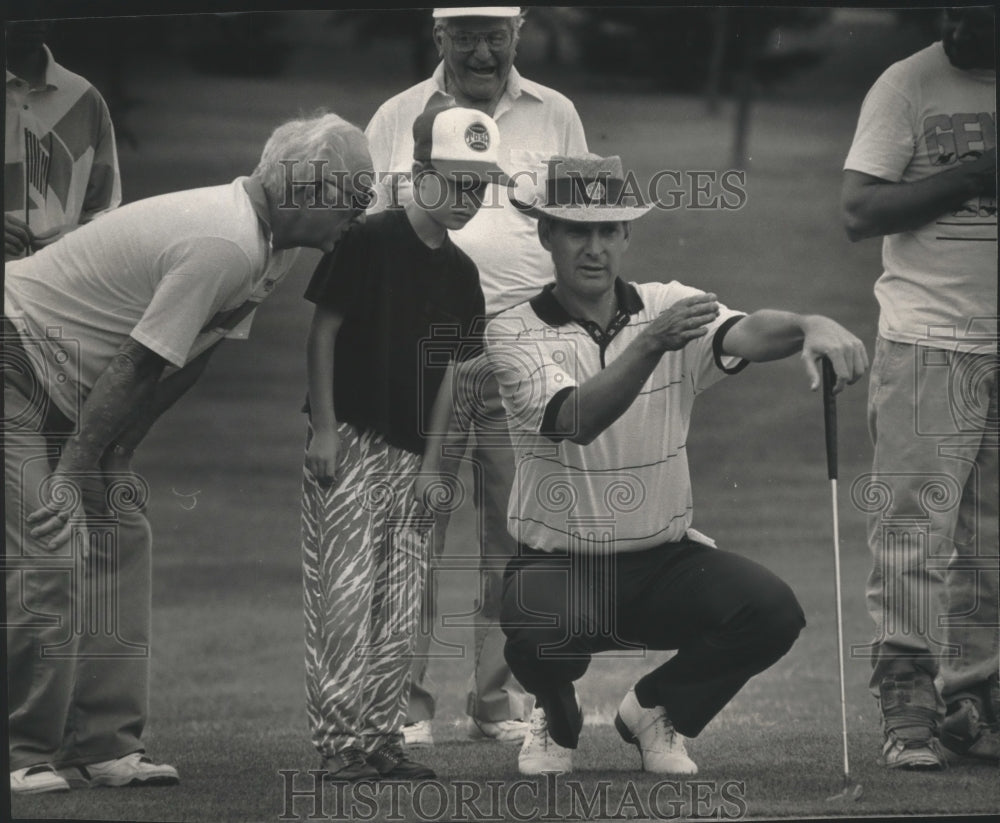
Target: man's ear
438 35
545 233
628 231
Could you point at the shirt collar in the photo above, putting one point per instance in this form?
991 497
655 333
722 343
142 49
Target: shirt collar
258 200
516 86
552 312
54 73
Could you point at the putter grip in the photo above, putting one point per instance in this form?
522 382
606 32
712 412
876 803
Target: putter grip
830 418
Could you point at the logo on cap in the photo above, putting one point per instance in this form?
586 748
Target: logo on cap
477 137
595 191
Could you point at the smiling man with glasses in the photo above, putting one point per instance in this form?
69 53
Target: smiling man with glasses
477 47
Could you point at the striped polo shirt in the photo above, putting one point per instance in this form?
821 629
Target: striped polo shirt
629 489
60 160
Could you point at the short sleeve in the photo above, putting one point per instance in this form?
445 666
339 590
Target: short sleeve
203 277
576 139
530 371
885 139
335 281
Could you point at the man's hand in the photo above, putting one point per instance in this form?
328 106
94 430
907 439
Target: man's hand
984 171
683 322
321 456
826 338
55 520
17 237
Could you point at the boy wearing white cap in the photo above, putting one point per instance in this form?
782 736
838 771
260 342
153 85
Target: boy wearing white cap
477 46
396 306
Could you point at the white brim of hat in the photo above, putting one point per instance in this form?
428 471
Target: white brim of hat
581 213
477 11
459 169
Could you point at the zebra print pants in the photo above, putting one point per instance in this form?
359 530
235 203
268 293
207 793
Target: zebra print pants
365 550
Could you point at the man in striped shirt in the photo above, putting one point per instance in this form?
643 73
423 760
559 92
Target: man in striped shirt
60 160
599 376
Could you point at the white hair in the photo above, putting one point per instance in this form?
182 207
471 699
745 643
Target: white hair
325 137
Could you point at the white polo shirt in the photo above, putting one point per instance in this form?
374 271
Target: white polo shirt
629 489
535 123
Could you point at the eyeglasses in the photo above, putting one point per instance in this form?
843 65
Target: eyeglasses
359 199
495 40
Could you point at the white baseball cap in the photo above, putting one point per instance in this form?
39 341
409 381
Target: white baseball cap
478 11
459 143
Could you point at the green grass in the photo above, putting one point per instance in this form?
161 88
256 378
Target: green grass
227 686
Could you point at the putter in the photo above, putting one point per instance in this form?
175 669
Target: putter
851 790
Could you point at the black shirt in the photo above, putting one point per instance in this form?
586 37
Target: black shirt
408 310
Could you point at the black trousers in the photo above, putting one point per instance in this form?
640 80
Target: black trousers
728 617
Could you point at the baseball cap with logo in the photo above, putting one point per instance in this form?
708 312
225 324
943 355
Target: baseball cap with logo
460 143
478 11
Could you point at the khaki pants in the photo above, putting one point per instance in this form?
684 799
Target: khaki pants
77 628
932 505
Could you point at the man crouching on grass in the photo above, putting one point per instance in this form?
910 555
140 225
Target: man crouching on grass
599 376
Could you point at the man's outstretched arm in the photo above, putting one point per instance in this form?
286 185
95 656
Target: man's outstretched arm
598 402
772 335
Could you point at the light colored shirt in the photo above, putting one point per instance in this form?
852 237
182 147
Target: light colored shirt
60 163
175 272
535 123
922 117
628 489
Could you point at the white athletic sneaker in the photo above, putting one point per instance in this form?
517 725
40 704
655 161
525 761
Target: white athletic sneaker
131 770
504 731
418 735
661 746
540 753
37 780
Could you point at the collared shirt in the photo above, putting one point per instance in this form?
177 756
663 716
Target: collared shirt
923 117
61 164
628 489
535 123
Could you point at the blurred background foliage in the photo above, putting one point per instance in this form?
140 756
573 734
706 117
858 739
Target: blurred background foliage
743 53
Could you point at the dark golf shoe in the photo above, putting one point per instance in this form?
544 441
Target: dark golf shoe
348 766
392 763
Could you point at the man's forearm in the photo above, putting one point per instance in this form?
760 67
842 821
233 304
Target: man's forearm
599 401
166 392
127 383
873 207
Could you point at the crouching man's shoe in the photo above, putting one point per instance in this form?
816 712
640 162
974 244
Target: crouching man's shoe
650 730
563 716
539 752
38 779
131 770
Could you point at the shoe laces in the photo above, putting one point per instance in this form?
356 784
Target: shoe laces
666 728
540 728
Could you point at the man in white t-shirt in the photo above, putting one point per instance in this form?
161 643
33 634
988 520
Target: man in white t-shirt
103 331
922 173
477 46
599 376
